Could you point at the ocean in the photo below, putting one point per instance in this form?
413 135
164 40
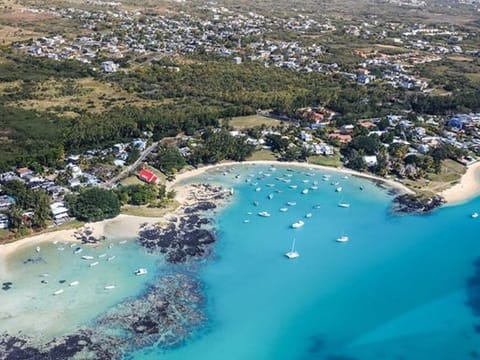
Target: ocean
401 287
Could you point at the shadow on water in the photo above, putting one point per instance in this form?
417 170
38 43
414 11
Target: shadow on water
473 292
317 351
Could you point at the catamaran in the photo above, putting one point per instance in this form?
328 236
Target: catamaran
298 224
292 254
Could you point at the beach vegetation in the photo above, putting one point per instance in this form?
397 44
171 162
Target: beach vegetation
94 204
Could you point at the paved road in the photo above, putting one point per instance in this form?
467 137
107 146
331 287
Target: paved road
110 183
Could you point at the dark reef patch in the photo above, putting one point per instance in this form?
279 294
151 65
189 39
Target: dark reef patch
414 204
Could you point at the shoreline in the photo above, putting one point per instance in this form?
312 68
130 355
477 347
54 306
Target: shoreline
467 188
120 226
201 170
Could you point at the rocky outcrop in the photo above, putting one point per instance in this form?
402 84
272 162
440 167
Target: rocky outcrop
416 204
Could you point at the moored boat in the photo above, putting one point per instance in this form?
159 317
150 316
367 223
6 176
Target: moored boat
474 215
141 271
95 263
342 238
298 224
264 213
344 205
73 283
305 191
58 292
292 254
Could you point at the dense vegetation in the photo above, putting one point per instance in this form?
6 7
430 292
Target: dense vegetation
94 204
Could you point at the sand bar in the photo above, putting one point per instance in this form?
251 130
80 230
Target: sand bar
467 188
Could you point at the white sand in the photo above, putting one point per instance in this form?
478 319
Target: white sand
121 226
468 187
201 170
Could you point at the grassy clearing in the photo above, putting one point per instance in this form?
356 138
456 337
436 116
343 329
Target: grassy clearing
148 211
333 161
131 180
244 122
436 183
262 155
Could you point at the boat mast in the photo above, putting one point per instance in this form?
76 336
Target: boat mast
293 245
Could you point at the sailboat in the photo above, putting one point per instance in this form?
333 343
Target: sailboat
343 238
292 254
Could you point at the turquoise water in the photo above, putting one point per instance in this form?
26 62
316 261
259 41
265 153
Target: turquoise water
396 290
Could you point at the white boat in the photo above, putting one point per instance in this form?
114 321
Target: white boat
73 283
305 181
249 213
141 271
111 258
335 183
258 189
292 254
270 196
345 177
78 250
94 264
246 221
60 248
314 187
298 224
109 287
293 186
44 275
110 245
344 205
87 257
102 255
37 249
264 213
270 185
343 238
58 292
474 215
338 189
305 191
291 203
283 209
309 215
122 242
55 242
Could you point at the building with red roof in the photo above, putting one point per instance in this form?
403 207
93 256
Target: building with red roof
148 176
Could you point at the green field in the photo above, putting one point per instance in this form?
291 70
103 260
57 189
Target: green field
244 122
262 155
333 161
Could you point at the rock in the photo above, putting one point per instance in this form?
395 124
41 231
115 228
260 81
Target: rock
414 204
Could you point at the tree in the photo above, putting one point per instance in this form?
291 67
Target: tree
94 204
41 210
15 217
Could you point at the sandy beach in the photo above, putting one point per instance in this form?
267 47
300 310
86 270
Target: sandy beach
468 187
121 226
188 174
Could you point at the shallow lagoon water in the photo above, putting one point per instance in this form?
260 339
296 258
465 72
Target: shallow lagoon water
397 290
400 288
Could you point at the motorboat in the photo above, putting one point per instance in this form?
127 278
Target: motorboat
291 203
264 213
309 215
87 257
255 203
292 254
122 242
73 283
258 189
102 255
338 189
37 249
342 238
95 263
474 215
58 292
293 186
305 191
298 224
270 196
77 250
141 271
246 221
109 287
283 209
111 258
344 205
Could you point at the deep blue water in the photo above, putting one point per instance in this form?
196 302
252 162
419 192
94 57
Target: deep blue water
400 288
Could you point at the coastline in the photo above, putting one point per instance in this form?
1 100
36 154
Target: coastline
121 226
195 172
466 189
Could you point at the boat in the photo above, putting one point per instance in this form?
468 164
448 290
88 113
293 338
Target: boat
44 275
77 250
345 177
141 271
60 248
344 205
87 257
37 249
292 254
343 238
246 221
258 189
73 283
291 203
317 206
338 189
264 213
58 292
270 185
305 191
110 245
293 186
109 287
122 242
270 196
94 264
314 187
335 183
249 213
102 255
255 203
474 215
111 258
283 209
309 215
305 181
298 224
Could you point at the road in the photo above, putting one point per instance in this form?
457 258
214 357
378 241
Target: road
110 183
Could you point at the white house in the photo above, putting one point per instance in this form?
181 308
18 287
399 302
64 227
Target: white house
109 66
59 212
370 160
4 223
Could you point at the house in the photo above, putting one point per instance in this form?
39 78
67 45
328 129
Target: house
148 176
342 138
139 144
346 129
24 172
370 160
6 201
59 212
363 79
109 66
4 223
305 136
